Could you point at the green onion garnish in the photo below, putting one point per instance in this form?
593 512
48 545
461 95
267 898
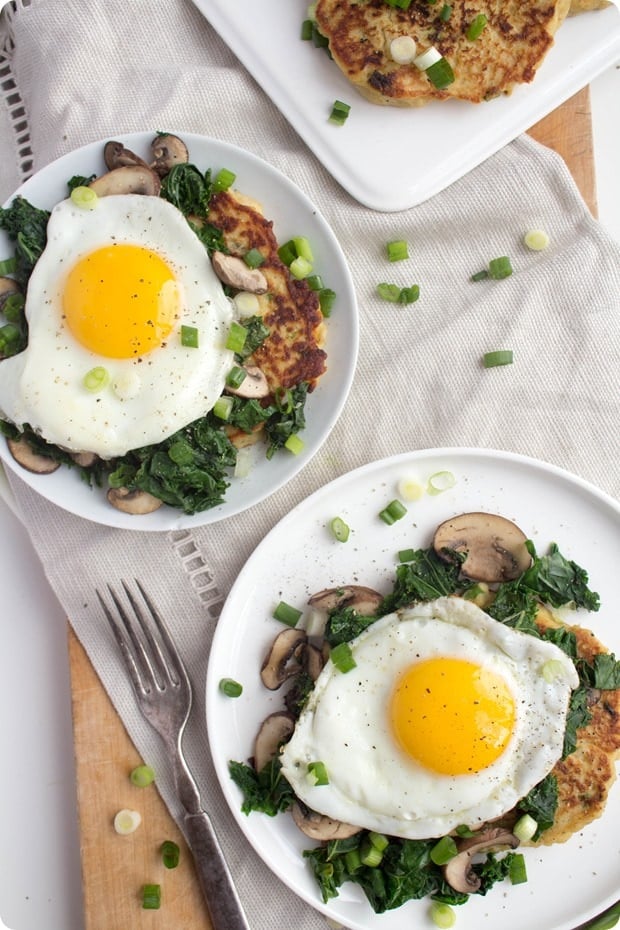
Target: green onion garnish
342 657
318 772
369 854
254 258
499 357
315 282
394 511
300 267
9 337
307 28
286 614
8 266
294 444
96 379
222 408
476 27
13 307
287 252
84 197
500 268
127 821
339 113
525 828
517 871
398 295
399 4
237 334
397 250
340 530
536 239
441 481
409 295
406 555
223 180
151 897
352 860
480 275
230 687
170 854
379 840
327 298
442 915
440 74
446 13
303 248
142 776
443 850
236 376
189 336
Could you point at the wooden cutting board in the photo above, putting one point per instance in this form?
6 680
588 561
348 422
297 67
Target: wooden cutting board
114 868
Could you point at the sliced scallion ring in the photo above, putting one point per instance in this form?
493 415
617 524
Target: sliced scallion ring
142 776
410 489
425 59
96 379
84 197
442 915
536 239
441 481
340 529
127 821
403 49
525 828
498 357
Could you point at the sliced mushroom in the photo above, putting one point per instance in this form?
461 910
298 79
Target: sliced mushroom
167 151
278 666
458 872
254 385
275 730
115 155
129 179
494 546
134 502
313 660
233 271
32 461
84 459
8 287
319 826
363 600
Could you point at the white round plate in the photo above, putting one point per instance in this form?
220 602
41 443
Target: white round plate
568 883
292 214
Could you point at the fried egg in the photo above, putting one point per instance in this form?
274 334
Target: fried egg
105 369
448 717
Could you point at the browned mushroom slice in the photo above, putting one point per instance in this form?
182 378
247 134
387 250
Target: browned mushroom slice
129 179
275 730
283 660
233 271
319 826
494 546
254 385
134 502
115 155
32 461
458 872
84 459
167 151
363 600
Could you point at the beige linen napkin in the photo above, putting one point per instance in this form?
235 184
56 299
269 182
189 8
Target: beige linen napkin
419 383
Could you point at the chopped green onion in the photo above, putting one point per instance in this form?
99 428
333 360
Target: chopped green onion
517 871
403 49
13 307
399 4
446 13
525 828
476 27
222 408
237 334
464 830
243 462
352 860
406 555
480 275
399 295
181 452
536 239
170 854
369 854
443 850
500 268
8 266
314 282
552 670
300 267
318 773
236 376
96 379
287 252
397 250
379 840
340 529
254 258
327 298
342 657
84 197
230 687
441 481
294 444
440 74
142 776
303 248
499 357
319 40
307 28
151 897
394 511
246 304
9 337
189 337
339 113
410 489
286 614
126 821
427 58
223 180
442 915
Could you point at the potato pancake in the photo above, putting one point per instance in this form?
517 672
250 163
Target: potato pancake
507 52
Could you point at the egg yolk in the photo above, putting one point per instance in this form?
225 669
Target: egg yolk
121 301
452 716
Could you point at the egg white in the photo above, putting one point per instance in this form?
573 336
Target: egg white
373 783
147 399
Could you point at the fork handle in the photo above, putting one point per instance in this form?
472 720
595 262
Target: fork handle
214 875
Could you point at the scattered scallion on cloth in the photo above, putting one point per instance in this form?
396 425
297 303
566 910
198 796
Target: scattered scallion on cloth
398 295
496 358
536 239
397 250
500 268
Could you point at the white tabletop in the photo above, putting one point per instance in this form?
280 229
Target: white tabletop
40 884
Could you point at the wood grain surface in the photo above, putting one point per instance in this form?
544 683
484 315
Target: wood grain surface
114 868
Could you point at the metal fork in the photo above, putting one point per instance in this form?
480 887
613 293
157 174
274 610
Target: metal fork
164 695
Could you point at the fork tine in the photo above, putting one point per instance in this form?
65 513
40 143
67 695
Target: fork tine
170 659
121 639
